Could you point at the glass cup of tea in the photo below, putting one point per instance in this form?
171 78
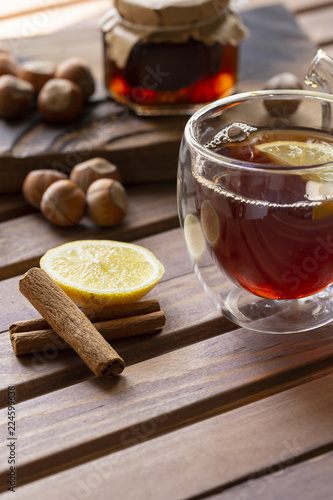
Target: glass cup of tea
255 202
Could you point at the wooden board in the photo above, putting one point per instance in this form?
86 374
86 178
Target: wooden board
145 149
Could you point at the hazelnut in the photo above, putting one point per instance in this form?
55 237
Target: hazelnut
15 96
37 73
89 171
60 100
8 64
63 203
78 71
285 81
36 183
107 202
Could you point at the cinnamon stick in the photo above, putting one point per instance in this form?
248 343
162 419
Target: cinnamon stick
69 322
97 315
46 339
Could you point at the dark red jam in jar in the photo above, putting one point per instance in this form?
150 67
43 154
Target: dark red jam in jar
173 59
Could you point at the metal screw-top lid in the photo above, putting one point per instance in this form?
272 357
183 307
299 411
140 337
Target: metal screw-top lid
169 12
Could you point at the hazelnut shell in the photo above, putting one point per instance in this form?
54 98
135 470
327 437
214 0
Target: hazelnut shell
8 64
37 73
107 202
60 101
36 183
78 71
63 203
15 96
87 172
282 81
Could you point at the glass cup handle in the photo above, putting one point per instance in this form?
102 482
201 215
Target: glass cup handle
320 76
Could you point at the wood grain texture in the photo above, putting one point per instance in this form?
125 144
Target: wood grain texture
275 44
143 150
201 458
151 209
12 206
204 409
287 480
318 25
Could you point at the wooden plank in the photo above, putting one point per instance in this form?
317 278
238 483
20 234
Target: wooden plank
151 209
318 25
275 44
308 480
199 459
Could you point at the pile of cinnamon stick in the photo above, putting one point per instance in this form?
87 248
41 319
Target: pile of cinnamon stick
63 325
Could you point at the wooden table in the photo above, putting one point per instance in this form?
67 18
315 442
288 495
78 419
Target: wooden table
204 409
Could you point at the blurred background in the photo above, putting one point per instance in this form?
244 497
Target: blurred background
23 21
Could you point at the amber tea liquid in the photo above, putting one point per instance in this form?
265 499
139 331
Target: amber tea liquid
168 73
265 242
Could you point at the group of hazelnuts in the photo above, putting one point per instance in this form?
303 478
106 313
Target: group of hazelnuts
59 91
93 186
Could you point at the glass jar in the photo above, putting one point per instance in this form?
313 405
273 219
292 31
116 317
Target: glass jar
172 59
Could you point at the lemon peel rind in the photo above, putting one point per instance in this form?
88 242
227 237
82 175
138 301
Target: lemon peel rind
270 148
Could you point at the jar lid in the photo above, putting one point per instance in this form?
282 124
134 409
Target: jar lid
169 12
121 34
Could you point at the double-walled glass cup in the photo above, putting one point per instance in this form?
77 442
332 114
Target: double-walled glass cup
255 201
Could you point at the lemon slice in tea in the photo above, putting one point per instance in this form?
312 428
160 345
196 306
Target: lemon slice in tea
100 273
297 153
210 223
194 236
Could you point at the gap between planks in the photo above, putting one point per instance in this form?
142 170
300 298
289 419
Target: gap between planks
283 481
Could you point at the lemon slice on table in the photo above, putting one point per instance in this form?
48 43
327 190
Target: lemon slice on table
297 153
101 273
